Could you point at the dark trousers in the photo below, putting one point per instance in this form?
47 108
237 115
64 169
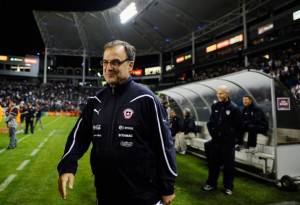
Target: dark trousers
252 138
221 154
116 199
114 195
29 123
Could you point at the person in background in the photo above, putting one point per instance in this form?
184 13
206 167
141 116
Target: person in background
38 117
188 131
175 124
167 108
1 111
11 114
224 127
29 118
254 121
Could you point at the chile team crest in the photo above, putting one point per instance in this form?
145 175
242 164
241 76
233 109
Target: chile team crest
128 113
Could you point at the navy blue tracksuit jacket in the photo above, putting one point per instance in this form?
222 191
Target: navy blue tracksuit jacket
225 128
133 155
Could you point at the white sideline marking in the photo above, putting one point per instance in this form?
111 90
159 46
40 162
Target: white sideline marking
7 181
23 164
51 133
23 138
41 145
34 152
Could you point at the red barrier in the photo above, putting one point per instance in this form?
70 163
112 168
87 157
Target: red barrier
68 114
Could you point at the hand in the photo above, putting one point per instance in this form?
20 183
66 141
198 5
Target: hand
237 147
168 199
63 181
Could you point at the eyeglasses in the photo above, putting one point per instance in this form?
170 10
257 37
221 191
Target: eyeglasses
113 62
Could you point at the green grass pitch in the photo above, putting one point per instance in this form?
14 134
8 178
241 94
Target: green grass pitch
36 183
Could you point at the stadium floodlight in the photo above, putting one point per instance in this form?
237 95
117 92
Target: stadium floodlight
128 13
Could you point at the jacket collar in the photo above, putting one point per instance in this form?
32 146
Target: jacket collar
121 87
227 102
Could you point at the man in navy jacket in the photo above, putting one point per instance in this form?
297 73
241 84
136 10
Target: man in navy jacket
224 126
254 121
133 155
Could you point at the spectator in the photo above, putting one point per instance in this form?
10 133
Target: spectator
188 131
175 124
11 114
29 118
254 121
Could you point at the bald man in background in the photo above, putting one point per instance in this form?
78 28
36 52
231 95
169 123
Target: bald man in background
224 126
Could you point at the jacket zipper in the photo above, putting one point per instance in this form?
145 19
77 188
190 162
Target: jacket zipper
111 134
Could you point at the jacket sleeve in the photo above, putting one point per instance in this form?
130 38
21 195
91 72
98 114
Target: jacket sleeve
164 148
12 115
262 124
211 124
239 131
77 143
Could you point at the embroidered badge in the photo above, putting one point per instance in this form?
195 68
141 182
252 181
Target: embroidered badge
126 144
128 113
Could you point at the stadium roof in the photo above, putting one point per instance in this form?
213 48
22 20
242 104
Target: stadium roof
161 25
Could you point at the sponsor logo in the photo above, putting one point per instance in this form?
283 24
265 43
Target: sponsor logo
97 127
227 112
97 135
126 144
125 135
122 127
283 103
128 113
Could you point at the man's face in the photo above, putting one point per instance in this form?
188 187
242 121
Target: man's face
116 67
173 114
247 101
11 104
222 95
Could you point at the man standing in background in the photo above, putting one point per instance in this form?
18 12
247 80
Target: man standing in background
11 114
29 118
224 126
175 123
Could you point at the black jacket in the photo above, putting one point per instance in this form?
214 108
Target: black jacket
189 125
176 125
224 124
133 152
254 120
29 114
